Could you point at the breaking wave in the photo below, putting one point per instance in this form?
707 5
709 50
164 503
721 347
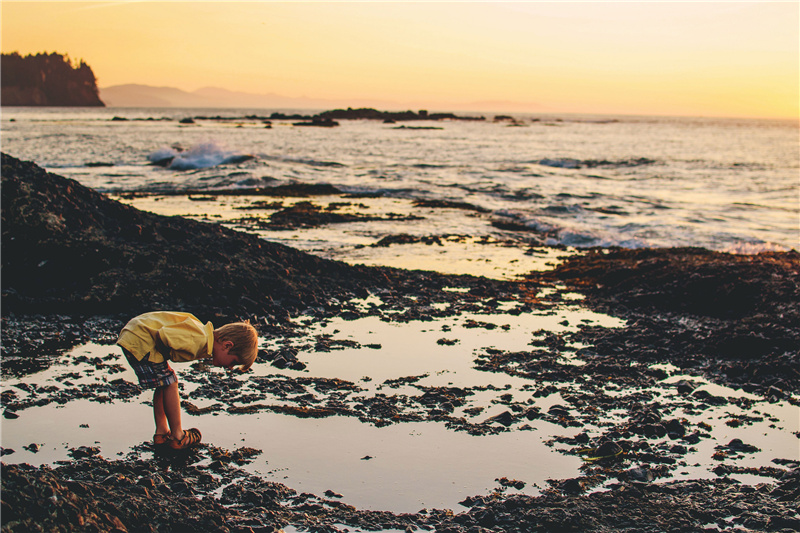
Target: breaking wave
199 156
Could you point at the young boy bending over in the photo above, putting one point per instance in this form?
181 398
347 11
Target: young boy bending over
151 340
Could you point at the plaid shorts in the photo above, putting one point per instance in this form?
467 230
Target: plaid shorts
151 375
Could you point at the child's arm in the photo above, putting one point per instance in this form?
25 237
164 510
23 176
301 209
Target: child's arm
161 345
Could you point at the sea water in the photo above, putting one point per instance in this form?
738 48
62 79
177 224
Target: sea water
722 184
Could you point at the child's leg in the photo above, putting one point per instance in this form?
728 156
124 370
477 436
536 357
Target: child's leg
162 425
171 407
160 377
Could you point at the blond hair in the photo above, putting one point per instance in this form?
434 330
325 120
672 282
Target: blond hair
244 339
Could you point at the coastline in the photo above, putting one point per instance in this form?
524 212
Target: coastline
730 319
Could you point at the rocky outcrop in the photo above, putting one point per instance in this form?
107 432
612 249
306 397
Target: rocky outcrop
70 250
389 116
733 317
47 80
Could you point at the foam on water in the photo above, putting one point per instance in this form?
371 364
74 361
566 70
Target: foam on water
204 155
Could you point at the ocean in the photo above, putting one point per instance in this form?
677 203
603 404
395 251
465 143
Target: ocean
574 180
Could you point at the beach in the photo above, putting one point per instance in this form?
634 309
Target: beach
512 266
585 389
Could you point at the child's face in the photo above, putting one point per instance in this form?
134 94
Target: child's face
221 356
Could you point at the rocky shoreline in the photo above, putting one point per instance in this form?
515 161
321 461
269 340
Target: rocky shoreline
76 265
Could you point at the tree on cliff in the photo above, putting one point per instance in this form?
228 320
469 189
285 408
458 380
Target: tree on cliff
47 80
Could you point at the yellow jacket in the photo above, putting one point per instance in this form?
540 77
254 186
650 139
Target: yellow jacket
167 335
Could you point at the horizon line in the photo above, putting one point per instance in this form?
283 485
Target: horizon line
462 106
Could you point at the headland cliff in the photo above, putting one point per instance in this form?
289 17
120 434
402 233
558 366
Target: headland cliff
47 80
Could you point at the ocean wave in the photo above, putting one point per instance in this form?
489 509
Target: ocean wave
593 163
562 209
590 239
553 234
752 248
302 161
199 156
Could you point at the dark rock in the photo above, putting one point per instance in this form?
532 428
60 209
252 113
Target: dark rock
572 486
558 410
684 387
505 418
84 451
675 428
391 116
608 449
736 445
639 473
693 438
515 483
319 122
654 430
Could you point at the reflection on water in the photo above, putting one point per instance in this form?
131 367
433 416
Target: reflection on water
466 241
402 467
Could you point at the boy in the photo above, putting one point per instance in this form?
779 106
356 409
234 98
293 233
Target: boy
151 340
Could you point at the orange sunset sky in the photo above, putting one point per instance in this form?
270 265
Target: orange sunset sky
739 59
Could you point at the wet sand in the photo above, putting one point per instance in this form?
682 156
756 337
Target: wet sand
654 373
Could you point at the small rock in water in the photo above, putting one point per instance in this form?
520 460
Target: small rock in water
505 418
572 486
84 451
505 482
608 449
32 447
736 445
675 428
684 387
558 410
641 474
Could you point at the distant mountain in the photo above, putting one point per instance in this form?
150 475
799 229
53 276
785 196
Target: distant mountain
134 95
47 80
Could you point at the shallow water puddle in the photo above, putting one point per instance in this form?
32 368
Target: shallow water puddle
443 349
403 466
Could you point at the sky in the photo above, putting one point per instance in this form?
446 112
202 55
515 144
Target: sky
737 59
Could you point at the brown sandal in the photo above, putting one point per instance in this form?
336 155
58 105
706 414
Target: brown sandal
191 437
161 438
